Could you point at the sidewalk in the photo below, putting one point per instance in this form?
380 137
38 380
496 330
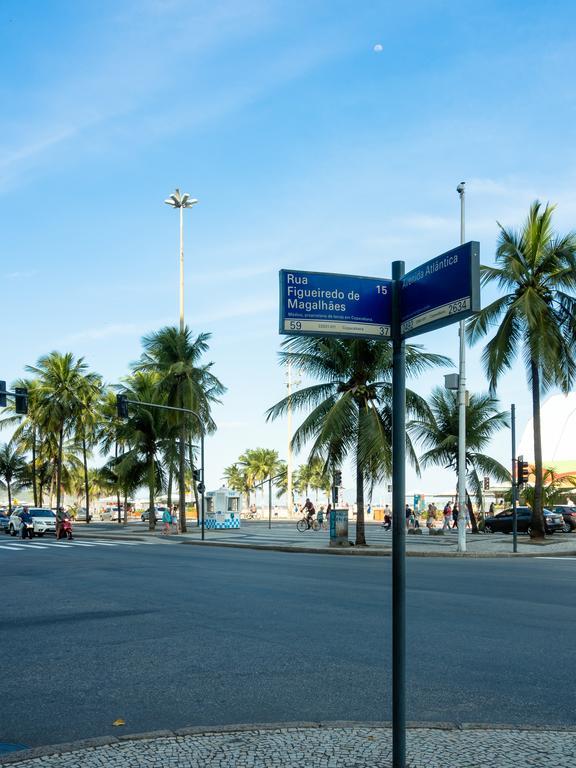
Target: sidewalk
283 537
314 745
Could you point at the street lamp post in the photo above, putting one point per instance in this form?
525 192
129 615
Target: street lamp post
177 200
462 407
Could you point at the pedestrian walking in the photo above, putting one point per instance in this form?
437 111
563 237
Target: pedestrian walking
166 521
431 517
447 517
455 513
409 518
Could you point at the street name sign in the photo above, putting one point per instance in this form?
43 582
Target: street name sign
329 304
442 291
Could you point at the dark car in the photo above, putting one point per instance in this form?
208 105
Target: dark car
503 521
4 522
569 515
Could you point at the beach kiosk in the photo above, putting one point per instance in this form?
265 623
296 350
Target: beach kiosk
222 509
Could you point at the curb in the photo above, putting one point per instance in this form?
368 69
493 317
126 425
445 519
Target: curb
105 741
367 551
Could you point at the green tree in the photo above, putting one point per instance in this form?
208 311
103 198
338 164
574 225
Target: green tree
143 433
12 469
261 464
351 409
238 479
183 382
535 317
438 432
61 379
88 416
556 488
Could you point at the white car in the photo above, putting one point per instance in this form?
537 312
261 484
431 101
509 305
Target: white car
44 521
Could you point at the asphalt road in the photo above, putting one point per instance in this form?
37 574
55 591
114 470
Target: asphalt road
168 635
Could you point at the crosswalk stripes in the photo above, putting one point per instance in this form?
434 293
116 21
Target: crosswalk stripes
35 544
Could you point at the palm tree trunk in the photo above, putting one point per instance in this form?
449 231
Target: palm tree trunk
360 532
125 515
86 489
9 496
538 531
182 478
169 488
473 520
151 489
34 467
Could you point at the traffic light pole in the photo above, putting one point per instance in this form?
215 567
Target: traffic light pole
183 410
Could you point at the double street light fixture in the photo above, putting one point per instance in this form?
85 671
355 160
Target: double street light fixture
181 201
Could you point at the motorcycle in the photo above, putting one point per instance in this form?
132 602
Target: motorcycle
27 530
65 529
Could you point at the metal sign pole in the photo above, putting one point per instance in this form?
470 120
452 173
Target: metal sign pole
398 527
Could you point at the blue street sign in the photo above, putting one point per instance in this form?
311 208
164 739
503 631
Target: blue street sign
442 291
327 304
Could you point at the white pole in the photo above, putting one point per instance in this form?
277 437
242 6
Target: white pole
462 410
289 463
181 268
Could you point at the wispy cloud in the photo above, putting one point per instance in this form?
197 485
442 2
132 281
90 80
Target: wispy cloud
245 308
106 332
21 275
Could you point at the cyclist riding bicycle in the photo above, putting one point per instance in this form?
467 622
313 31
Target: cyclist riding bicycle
309 511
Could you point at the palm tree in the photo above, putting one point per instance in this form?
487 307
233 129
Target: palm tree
261 464
143 433
86 424
556 488
439 433
536 318
185 383
12 469
237 478
58 396
351 410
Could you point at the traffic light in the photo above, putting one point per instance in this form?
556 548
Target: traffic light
197 474
21 400
337 477
2 394
523 472
486 483
122 406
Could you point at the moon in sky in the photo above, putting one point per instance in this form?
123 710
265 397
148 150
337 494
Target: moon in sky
378 48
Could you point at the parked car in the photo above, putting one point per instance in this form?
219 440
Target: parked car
503 521
158 512
111 513
44 521
569 515
4 521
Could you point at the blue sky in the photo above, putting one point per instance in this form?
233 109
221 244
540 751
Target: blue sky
306 148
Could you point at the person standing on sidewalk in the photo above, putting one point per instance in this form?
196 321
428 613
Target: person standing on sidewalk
447 517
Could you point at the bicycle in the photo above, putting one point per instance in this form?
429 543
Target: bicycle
304 525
